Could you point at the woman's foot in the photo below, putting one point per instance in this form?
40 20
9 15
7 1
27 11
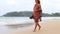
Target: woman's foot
34 30
39 27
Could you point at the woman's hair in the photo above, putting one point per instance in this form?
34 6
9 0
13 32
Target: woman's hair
38 2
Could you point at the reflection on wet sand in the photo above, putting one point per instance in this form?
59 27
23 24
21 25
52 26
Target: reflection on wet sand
16 26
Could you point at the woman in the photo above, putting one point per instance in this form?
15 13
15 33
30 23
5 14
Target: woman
36 14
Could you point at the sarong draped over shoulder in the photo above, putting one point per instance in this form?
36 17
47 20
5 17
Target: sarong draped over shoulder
36 13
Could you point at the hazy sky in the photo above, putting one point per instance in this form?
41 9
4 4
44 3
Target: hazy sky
48 6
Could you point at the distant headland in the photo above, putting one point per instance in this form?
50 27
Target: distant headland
28 14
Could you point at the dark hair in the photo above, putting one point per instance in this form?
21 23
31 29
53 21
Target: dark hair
38 2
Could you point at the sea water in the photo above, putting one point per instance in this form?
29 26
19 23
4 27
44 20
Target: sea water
13 20
19 20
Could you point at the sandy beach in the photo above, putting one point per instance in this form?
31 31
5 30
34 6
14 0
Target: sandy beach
47 27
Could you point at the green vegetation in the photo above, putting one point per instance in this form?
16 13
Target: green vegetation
28 14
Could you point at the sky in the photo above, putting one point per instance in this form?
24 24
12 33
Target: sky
48 6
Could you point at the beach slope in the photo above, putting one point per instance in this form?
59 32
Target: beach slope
47 27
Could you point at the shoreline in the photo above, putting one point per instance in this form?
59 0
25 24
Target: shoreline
15 26
16 20
47 27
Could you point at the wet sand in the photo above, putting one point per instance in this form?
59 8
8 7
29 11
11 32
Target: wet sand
47 27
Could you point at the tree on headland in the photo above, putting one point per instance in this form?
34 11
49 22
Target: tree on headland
55 14
28 14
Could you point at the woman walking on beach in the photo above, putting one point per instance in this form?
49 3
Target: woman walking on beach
36 14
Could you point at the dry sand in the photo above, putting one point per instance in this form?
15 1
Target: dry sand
47 27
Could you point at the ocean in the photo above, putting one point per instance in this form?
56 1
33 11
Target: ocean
19 20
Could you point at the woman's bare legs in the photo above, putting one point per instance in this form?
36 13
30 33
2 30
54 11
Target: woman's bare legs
36 24
39 26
